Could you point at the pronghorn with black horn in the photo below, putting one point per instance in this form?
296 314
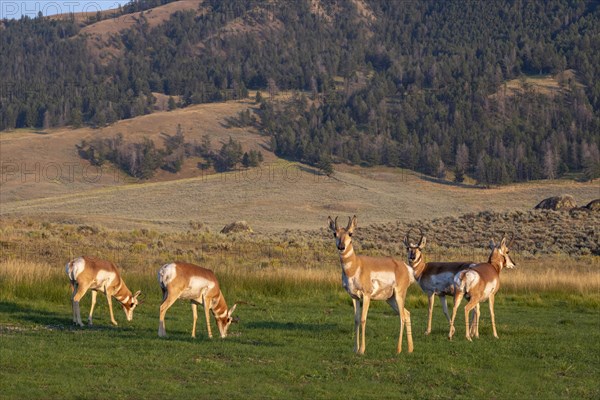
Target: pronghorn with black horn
479 283
434 278
180 280
372 278
87 273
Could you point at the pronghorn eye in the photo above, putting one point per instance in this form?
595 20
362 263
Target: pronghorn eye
334 234
350 234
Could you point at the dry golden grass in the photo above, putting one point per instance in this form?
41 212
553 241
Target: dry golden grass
16 271
532 276
556 273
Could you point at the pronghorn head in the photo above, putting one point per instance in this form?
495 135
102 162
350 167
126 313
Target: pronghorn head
343 236
223 323
414 251
130 304
502 250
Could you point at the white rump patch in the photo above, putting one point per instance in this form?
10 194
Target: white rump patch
74 268
465 280
166 274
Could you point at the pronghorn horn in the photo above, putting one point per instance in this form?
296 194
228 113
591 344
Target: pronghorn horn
512 239
407 237
335 223
422 235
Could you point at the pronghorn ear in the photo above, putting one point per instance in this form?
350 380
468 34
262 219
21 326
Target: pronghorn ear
137 294
405 241
331 223
422 242
231 310
351 223
503 242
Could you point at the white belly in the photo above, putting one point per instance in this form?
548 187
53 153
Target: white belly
197 287
439 284
103 280
383 284
489 288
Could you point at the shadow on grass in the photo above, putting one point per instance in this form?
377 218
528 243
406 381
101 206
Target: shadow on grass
46 319
27 314
291 326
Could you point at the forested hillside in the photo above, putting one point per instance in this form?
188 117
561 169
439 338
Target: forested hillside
423 85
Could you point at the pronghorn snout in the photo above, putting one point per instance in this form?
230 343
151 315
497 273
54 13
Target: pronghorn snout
341 247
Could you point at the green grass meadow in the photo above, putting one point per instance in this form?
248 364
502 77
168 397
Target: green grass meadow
295 341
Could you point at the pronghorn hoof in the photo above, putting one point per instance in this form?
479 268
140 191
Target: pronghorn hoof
427 333
469 339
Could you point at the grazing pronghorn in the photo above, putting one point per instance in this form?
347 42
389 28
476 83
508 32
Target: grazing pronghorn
434 278
479 283
200 286
92 273
372 278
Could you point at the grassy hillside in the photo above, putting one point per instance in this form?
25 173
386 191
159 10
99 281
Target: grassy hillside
40 163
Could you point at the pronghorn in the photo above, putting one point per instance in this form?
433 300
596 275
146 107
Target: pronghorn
92 273
434 278
372 278
479 283
200 286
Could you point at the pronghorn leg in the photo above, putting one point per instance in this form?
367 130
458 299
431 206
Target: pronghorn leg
475 314
431 298
445 306
470 306
408 327
206 302
492 315
73 291
357 313
195 316
77 296
363 323
94 295
399 300
110 309
457 299
165 305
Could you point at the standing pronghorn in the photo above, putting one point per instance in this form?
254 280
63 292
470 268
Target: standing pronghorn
434 278
372 278
92 273
479 283
200 286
